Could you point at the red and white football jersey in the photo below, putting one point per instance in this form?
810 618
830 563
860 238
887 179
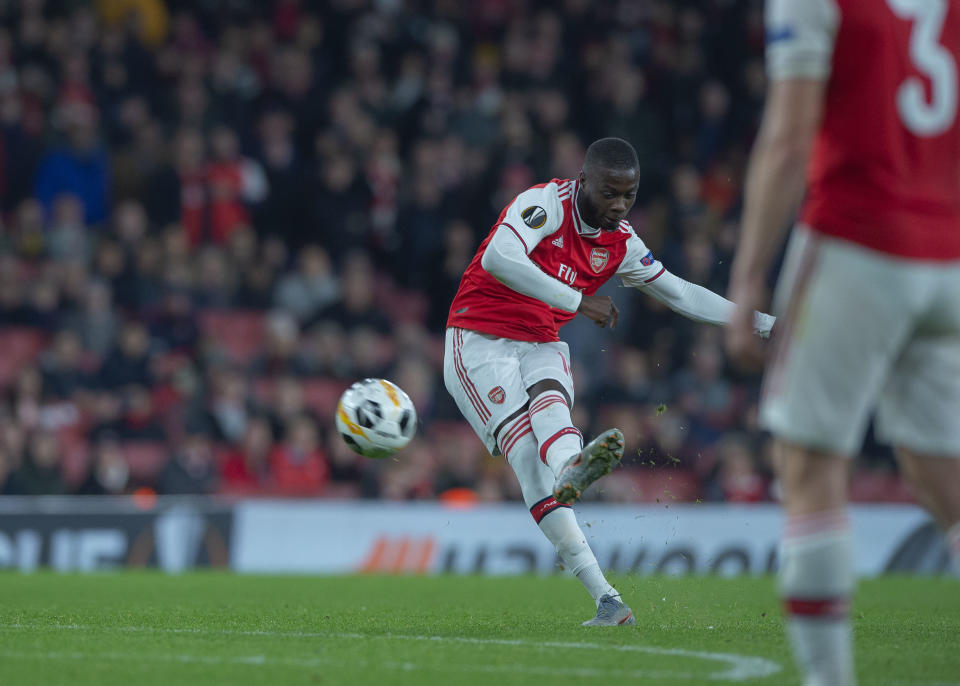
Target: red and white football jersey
885 171
546 221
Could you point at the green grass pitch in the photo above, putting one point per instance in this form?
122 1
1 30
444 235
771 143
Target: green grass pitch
145 628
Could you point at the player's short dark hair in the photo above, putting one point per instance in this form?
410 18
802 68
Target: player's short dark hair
611 153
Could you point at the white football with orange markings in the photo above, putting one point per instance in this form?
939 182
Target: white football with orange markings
376 418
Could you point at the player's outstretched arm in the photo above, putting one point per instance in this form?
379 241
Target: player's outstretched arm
775 182
699 303
506 260
799 57
641 270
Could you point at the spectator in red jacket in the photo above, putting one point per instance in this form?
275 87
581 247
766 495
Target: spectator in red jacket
235 182
245 468
298 465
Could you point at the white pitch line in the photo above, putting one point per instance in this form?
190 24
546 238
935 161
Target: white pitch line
733 667
263 660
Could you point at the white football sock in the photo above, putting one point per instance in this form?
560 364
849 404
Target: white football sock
558 439
953 547
560 527
816 582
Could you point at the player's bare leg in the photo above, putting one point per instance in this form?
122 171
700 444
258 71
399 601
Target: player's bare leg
936 482
557 521
816 572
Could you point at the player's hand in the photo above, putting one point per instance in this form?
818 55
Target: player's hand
744 347
600 309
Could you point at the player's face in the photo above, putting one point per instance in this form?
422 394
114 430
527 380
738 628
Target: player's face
607 195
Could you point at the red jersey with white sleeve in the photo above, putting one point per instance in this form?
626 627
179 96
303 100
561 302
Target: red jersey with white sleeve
577 258
885 171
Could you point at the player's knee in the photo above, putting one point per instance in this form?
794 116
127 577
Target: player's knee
933 477
909 466
811 481
547 385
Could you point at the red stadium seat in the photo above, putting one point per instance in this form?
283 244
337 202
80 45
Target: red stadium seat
878 486
262 388
406 306
665 485
75 460
453 430
19 346
240 333
434 351
451 440
145 459
321 396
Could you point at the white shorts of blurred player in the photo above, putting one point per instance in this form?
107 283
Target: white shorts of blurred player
861 332
488 376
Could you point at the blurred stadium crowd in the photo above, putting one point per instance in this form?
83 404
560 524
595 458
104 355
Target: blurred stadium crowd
216 214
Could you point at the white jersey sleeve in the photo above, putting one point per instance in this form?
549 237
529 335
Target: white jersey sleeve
700 304
639 266
640 269
505 260
534 214
800 38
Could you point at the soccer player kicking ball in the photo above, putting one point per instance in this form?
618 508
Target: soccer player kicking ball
550 250
863 103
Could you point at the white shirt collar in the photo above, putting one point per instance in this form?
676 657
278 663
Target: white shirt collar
583 228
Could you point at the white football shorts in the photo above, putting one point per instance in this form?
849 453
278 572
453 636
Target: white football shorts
860 332
488 376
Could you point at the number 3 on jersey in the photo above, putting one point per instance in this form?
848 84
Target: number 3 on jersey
923 117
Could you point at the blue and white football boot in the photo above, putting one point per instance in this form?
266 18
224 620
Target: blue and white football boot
611 612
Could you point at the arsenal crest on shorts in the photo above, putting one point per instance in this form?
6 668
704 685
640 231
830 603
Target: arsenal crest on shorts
497 395
598 259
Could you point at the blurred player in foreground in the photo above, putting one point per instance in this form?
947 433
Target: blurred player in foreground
550 250
863 100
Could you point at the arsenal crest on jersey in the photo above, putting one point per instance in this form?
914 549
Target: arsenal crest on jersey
598 259
497 395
